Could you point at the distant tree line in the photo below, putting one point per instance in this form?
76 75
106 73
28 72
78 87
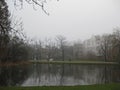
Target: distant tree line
99 47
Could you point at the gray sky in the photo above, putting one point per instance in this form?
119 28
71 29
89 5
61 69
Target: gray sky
74 19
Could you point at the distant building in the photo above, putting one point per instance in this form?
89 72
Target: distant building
90 45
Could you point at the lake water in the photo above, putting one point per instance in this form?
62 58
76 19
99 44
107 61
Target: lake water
58 75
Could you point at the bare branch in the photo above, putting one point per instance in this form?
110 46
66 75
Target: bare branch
41 3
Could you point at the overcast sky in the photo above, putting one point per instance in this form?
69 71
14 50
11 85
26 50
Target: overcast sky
74 19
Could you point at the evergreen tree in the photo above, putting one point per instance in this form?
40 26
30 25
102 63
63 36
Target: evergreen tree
4 29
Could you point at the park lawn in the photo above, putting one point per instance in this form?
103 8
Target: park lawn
82 87
75 62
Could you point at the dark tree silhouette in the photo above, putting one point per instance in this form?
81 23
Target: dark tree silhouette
4 29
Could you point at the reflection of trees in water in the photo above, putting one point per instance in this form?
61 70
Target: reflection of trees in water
107 74
12 76
69 74
44 73
58 74
115 74
62 74
87 74
36 69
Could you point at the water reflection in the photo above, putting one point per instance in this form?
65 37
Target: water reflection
13 76
51 74
58 74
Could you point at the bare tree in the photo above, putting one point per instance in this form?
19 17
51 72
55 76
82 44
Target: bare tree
78 50
40 3
40 50
61 40
105 46
116 44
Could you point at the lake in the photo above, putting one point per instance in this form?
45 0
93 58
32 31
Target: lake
58 75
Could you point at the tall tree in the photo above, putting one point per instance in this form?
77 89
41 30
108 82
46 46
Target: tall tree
61 43
4 29
104 44
116 44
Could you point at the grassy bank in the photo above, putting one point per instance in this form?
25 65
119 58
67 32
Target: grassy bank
9 64
85 87
76 62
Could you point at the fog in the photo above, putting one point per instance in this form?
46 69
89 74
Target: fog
74 19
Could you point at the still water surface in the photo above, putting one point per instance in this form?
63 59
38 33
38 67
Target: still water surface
58 75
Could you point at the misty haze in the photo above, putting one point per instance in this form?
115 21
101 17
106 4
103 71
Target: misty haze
60 43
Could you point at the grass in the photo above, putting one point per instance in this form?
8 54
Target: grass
9 64
76 62
84 87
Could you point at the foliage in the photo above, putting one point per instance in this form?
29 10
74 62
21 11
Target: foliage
4 28
12 45
17 50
